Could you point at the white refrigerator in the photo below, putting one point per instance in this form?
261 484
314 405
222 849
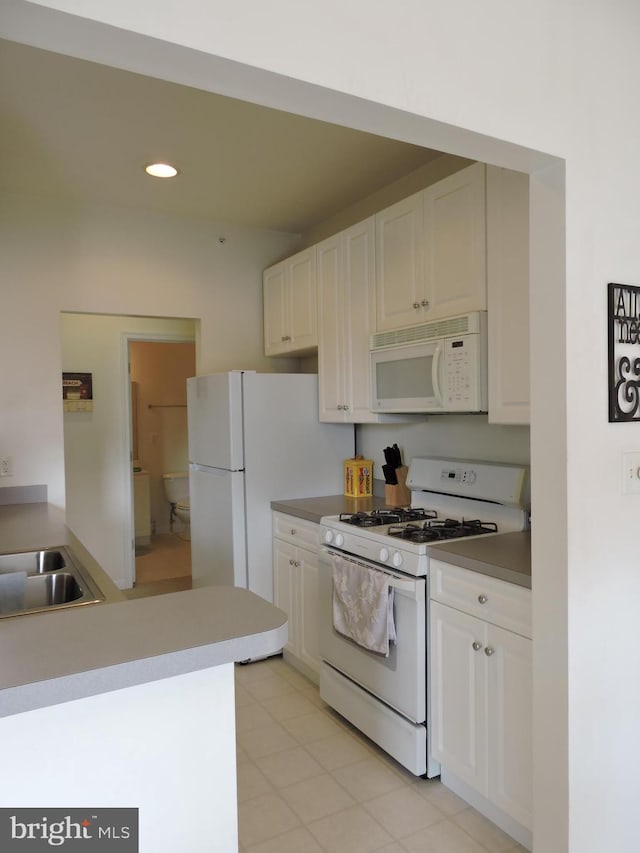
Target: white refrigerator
254 438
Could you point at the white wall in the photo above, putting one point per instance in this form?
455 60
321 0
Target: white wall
459 436
60 257
97 470
501 82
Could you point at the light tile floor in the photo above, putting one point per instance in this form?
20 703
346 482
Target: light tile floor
308 782
164 566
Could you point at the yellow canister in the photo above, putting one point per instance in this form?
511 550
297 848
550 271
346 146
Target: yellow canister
358 477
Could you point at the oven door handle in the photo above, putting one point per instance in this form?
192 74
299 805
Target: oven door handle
402 586
408 587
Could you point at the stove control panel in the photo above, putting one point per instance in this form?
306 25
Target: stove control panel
396 559
459 475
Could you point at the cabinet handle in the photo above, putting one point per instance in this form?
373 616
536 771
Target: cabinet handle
296 564
416 304
482 599
476 646
293 531
425 303
292 562
489 651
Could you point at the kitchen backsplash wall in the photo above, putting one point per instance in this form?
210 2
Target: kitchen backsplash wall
458 436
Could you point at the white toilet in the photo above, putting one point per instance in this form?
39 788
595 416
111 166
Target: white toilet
176 487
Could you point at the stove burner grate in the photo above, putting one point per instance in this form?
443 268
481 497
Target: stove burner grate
439 529
395 515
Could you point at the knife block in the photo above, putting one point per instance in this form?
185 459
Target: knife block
398 495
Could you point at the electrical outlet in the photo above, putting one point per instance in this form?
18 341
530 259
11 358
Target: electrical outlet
631 473
6 468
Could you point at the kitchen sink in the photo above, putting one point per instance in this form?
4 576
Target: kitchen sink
33 562
43 580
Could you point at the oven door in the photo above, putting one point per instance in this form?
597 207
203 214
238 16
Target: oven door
400 679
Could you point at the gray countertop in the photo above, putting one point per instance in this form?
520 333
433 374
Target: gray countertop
54 657
506 556
313 509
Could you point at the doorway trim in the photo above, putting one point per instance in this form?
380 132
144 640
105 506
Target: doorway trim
128 534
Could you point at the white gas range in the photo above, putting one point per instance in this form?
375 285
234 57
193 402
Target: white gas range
388 697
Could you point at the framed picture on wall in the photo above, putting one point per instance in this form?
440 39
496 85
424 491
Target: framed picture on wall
77 392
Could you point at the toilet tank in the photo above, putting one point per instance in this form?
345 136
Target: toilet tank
176 486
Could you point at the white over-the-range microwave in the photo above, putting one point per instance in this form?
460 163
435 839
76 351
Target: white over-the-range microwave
436 367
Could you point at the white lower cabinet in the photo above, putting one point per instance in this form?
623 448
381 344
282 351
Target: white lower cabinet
295 573
481 699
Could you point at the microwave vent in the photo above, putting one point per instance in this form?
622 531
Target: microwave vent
423 332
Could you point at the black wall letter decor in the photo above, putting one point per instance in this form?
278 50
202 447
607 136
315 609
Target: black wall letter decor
624 352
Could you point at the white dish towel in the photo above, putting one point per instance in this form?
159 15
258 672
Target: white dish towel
363 606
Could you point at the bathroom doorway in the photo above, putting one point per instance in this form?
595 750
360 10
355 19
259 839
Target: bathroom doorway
158 370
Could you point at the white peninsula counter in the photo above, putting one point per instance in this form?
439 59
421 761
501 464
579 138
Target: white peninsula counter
130 704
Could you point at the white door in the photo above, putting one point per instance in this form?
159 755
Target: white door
309 607
455 241
510 727
331 306
359 311
458 694
302 294
275 296
400 264
218 547
285 588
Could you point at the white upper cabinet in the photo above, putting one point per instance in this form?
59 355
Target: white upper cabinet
290 312
508 295
455 244
400 291
431 253
346 277
345 290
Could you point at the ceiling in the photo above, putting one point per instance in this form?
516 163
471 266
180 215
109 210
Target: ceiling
77 130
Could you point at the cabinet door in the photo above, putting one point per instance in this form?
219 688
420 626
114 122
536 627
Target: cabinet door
400 265
284 588
309 609
358 312
274 286
510 680
508 295
455 244
303 310
331 309
458 694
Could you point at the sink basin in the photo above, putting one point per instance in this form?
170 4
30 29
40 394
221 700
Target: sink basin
50 590
47 579
49 560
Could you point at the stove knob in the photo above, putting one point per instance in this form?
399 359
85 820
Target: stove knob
397 559
328 536
384 555
339 540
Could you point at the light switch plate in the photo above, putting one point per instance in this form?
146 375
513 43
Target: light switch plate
631 473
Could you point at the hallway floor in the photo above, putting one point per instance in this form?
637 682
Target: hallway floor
308 782
163 566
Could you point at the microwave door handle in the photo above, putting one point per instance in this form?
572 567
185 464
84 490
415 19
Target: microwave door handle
435 372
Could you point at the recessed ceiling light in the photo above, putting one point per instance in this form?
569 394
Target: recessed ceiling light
161 170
